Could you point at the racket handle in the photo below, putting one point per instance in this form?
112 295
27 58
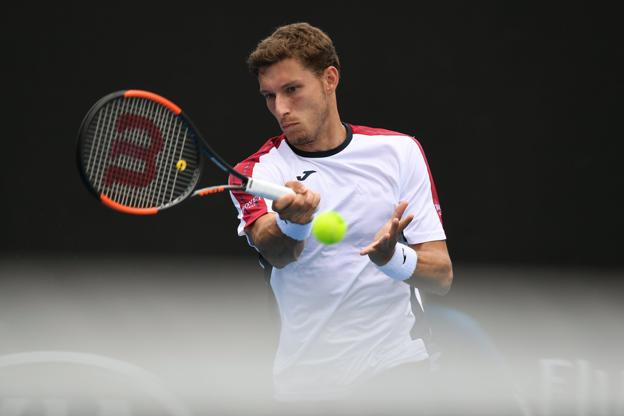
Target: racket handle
266 189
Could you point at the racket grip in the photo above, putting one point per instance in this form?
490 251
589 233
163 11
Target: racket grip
266 189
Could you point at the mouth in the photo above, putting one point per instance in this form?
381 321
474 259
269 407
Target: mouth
288 125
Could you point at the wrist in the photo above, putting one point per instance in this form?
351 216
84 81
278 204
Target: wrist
402 264
293 230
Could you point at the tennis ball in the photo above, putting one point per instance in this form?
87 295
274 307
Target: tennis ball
181 165
329 227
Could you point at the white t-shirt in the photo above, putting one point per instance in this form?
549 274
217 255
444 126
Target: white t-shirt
342 320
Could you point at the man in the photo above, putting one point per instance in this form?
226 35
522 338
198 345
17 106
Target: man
345 308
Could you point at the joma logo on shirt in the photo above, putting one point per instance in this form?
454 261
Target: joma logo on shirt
306 173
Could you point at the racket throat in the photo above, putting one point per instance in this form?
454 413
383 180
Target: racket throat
216 189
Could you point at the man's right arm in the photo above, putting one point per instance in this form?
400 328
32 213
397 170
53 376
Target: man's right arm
276 247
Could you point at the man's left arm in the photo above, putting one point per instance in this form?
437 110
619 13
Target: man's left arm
434 270
427 265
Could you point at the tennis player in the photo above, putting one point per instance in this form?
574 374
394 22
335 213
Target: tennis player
346 309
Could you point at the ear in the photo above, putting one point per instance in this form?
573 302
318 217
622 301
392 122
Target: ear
331 78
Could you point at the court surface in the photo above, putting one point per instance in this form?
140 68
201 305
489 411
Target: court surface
176 336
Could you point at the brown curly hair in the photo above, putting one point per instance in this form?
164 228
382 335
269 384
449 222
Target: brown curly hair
309 44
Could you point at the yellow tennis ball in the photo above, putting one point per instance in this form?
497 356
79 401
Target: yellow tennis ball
329 227
181 165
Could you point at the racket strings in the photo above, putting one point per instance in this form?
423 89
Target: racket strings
130 157
107 134
140 154
151 196
171 160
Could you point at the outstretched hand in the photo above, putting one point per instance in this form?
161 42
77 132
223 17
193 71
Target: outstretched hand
380 251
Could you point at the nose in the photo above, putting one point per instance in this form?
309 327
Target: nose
281 106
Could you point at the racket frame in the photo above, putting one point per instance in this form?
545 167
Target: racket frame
253 186
177 111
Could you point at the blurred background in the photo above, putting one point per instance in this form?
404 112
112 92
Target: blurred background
518 111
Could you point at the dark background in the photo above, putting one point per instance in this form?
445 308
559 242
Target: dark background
518 110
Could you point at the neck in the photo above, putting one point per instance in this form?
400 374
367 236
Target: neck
330 135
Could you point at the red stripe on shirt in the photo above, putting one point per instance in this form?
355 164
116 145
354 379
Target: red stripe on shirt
434 191
373 131
252 207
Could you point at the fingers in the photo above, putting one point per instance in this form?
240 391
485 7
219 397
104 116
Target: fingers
302 209
316 200
312 201
366 250
298 208
394 227
404 223
375 245
296 186
400 210
286 201
398 213
283 202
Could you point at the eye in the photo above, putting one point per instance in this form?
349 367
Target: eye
268 96
292 89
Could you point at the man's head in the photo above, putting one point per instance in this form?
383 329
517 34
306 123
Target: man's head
298 72
306 43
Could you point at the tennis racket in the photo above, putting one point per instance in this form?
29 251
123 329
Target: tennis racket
138 153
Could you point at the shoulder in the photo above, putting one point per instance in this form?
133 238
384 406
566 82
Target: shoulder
246 165
272 143
395 137
407 147
375 131
266 154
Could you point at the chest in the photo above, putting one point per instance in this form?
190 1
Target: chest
364 191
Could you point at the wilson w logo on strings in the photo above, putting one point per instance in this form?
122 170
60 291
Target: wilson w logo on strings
121 146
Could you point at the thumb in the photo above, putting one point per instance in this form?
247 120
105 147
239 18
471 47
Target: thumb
283 202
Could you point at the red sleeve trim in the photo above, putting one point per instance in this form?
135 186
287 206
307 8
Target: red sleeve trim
434 191
252 207
374 131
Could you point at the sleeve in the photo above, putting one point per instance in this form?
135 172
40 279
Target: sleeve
418 189
249 207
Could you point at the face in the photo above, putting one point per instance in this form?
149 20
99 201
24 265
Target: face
298 98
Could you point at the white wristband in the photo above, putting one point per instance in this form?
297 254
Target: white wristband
402 264
293 230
